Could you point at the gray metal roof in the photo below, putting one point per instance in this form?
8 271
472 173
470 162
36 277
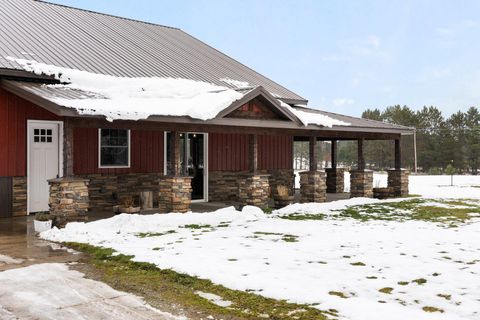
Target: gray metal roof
100 43
358 122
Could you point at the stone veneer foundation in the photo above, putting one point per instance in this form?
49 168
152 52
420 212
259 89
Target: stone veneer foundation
335 180
313 186
223 185
254 190
19 196
175 194
107 190
398 181
69 200
361 183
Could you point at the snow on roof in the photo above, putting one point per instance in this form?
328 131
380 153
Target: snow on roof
314 118
136 98
124 98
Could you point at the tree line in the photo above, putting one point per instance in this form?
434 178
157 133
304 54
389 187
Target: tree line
441 141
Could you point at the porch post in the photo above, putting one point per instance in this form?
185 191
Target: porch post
253 153
68 126
175 192
253 187
335 176
398 177
312 183
313 153
361 180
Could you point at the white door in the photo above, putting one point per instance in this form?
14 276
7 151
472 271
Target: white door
43 162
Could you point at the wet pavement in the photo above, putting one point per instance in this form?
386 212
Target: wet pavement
19 242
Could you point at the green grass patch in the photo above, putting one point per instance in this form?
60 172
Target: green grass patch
358 264
432 309
289 238
445 296
403 283
386 290
420 281
338 294
196 226
154 234
162 288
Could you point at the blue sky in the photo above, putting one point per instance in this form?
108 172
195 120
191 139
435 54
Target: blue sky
343 56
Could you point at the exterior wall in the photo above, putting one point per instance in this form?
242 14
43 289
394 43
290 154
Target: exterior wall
19 196
229 152
108 190
14 113
146 152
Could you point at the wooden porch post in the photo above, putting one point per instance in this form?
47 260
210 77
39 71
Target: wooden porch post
313 154
253 153
175 152
68 126
360 157
398 154
334 154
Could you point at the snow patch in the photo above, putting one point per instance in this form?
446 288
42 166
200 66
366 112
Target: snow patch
9 260
313 118
213 298
236 83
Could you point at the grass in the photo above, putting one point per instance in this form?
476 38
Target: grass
448 211
420 281
358 264
386 290
338 294
432 309
154 234
169 288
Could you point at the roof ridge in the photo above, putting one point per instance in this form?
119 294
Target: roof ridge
105 14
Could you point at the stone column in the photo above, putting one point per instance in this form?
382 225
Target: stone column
69 200
361 183
312 186
175 194
398 181
335 180
254 190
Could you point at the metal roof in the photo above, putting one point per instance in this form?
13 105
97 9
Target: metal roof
101 43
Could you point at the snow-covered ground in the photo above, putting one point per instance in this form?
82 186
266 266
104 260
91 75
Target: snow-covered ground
376 269
53 291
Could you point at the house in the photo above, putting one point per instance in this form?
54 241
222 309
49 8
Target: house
95 108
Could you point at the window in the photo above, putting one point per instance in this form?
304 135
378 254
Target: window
42 135
114 145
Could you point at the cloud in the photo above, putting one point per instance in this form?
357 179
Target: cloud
340 102
373 41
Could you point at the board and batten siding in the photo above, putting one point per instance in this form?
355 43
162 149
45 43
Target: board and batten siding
146 152
229 152
14 113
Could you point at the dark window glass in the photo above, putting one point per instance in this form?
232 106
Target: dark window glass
114 150
36 139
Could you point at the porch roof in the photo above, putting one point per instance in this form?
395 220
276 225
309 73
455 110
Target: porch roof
45 96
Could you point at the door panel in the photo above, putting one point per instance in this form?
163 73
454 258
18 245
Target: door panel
43 163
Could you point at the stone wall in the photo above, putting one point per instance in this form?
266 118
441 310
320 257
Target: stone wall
223 185
19 196
254 190
107 191
361 183
175 194
312 186
335 180
398 181
69 200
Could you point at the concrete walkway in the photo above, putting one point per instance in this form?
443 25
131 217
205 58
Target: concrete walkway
36 282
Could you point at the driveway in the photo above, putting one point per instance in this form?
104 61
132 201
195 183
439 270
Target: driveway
37 283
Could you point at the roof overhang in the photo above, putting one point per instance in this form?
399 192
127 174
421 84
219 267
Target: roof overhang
27 91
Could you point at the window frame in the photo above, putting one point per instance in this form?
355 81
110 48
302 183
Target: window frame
100 166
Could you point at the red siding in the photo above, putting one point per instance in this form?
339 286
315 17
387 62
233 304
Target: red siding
146 152
229 152
14 113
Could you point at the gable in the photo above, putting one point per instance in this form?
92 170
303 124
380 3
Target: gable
258 109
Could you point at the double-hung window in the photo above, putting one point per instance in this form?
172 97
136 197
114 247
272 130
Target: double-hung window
114 148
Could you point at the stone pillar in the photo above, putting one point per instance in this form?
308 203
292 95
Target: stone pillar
335 180
361 183
175 194
69 200
254 190
312 186
398 181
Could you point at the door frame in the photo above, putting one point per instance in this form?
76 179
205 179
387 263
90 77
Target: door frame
205 160
60 152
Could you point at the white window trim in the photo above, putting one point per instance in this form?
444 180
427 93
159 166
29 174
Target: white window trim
100 150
